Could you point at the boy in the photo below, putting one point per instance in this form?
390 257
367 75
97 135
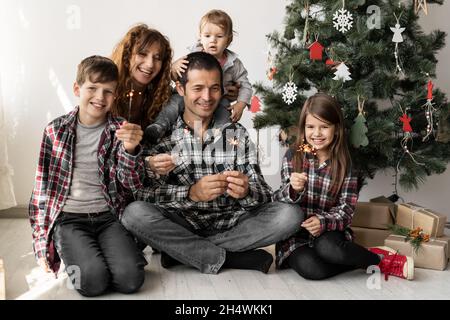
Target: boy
89 167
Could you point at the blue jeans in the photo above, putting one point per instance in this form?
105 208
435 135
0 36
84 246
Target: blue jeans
169 232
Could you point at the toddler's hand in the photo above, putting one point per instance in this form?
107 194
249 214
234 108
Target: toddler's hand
298 181
179 67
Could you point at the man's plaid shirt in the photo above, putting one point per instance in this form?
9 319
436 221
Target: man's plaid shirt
334 213
121 174
196 159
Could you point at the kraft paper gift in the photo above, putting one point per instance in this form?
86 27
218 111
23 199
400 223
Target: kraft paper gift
370 237
431 255
411 215
373 215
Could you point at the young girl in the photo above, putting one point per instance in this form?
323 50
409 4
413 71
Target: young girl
216 34
317 175
144 58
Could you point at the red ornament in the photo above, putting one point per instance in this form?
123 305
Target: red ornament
315 51
255 105
271 72
430 90
329 62
406 120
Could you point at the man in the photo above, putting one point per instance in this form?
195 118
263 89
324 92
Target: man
213 209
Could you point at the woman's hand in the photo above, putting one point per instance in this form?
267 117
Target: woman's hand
237 110
298 181
312 224
161 163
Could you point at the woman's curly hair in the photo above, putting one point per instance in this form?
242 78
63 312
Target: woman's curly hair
136 40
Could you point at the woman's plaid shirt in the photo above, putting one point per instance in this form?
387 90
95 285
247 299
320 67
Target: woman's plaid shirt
334 213
196 159
121 174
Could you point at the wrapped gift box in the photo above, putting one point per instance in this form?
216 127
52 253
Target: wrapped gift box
370 237
431 255
373 215
2 281
446 239
411 216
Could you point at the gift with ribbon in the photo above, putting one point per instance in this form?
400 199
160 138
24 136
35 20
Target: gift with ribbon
432 254
411 215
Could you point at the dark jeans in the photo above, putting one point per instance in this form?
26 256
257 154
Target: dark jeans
330 255
99 253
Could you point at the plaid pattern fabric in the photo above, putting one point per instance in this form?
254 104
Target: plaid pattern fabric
120 175
334 213
196 159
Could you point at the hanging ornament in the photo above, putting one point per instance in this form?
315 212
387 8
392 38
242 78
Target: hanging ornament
420 4
255 105
359 129
429 111
342 19
406 140
342 73
406 122
397 38
316 50
271 69
289 93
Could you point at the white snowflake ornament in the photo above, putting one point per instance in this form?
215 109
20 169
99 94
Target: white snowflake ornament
289 92
342 20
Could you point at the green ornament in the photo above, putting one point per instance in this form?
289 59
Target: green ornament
358 132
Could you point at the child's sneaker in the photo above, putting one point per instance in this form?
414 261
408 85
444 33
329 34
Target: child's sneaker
393 263
153 133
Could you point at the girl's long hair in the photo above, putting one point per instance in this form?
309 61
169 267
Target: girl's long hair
137 39
327 108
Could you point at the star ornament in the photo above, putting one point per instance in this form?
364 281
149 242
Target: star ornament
418 4
406 122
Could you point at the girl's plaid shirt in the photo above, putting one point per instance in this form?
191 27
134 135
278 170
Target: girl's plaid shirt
195 159
121 175
334 213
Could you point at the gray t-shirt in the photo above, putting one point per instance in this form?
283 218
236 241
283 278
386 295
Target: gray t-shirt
85 194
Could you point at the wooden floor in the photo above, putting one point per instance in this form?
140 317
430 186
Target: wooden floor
24 280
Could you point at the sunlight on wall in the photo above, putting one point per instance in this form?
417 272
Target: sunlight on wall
62 95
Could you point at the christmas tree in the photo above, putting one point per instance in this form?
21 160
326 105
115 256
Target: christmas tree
375 53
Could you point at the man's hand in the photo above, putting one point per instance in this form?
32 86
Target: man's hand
312 224
42 262
161 163
232 92
208 188
179 67
130 134
237 110
237 184
298 181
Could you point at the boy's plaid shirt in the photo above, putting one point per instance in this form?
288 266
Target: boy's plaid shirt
195 160
334 213
121 174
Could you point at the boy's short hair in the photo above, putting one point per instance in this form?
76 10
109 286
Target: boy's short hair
201 61
220 18
97 69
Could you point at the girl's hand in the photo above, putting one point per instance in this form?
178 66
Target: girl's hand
298 181
179 67
42 262
161 163
236 111
312 224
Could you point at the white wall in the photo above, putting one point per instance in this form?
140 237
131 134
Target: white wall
40 50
